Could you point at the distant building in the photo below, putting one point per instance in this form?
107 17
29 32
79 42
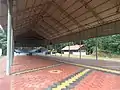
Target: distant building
75 50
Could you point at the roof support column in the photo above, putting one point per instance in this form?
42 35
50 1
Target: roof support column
61 49
9 33
55 50
96 49
51 48
12 48
69 49
96 46
47 50
80 50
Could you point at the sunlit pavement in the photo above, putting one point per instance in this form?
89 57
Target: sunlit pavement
40 73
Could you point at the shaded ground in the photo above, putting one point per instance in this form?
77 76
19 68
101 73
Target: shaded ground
97 63
101 57
44 73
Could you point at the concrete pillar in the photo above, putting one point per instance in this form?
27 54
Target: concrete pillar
80 50
9 51
96 45
61 49
51 49
69 49
96 48
12 48
47 49
55 49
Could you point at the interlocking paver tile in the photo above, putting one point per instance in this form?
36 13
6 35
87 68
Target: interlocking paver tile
98 80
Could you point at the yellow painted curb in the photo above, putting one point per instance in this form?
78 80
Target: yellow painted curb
71 80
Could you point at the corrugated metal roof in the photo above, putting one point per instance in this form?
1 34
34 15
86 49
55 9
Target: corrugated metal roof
54 19
73 47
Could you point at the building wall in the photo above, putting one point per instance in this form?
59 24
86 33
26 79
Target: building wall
66 52
76 53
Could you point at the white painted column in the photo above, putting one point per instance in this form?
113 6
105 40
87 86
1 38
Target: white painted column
9 51
96 48
69 49
80 50
55 49
12 48
96 45
61 49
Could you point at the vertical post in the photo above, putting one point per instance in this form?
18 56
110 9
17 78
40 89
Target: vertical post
51 49
61 49
8 39
69 49
80 50
55 50
46 50
96 46
12 47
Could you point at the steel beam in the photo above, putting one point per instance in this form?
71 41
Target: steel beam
65 13
91 10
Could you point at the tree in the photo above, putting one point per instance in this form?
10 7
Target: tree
90 45
3 41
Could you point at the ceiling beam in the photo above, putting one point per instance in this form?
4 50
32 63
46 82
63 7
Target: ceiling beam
27 9
46 30
40 33
90 9
41 15
18 32
57 22
65 13
50 26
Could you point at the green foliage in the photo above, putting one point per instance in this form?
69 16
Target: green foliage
3 42
110 44
107 44
90 45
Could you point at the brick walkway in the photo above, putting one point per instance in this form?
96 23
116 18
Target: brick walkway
42 75
37 80
99 81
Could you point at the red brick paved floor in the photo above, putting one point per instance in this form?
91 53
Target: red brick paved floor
30 62
42 79
34 80
2 67
99 81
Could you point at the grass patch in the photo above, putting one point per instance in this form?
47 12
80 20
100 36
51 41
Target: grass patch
100 56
